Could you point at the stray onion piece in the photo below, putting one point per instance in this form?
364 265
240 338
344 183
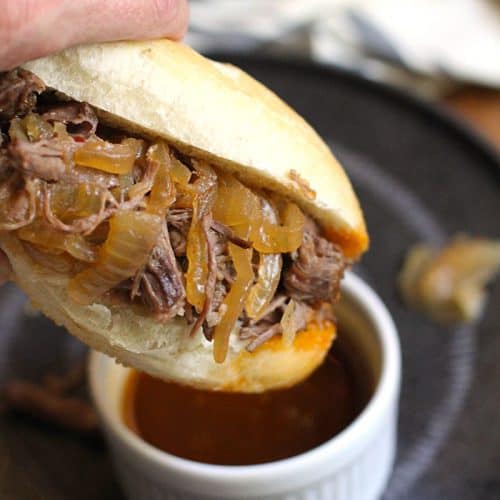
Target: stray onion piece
449 284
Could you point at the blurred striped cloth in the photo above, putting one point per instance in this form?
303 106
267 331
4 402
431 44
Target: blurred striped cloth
428 45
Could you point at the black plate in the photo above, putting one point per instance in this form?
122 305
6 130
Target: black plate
420 176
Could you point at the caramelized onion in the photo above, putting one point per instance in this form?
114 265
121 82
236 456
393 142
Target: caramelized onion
69 201
36 128
132 236
236 205
288 323
163 192
17 131
196 249
108 157
181 175
268 277
79 248
88 200
179 172
272 238
449 284
62 197
99 234
61 131
125 182
49 238
62 263
18 206
268 274
185 195
138 145
145 185
234 300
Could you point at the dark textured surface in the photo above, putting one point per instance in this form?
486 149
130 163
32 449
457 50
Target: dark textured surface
418 177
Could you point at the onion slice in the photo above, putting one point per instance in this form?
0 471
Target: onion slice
272 238
197 247
236 205
234 300
163 191
288 323
108 157
268 277
132 236
45 236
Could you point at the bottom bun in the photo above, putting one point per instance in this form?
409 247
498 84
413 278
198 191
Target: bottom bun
165 350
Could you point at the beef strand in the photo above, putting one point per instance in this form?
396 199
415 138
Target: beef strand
18 93
266 335
206 222
229 234
316 269
179 220
21 207
161 286
45 159
80 118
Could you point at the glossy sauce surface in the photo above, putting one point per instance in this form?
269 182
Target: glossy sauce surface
242 429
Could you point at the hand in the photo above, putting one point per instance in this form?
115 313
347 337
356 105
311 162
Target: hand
35 28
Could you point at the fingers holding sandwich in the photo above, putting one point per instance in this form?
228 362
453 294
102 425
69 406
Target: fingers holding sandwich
34 28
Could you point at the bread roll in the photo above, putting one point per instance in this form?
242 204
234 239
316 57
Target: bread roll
215 112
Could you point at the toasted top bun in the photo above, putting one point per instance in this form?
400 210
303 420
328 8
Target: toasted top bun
215 112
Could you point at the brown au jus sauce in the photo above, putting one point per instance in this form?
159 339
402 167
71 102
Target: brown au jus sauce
244 429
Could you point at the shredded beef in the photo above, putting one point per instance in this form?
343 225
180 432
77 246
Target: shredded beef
18 91
267 334
316 268
80 118
278 303
21 207
84 225
206 222
230 235
161 283
218 309
179 221
253 328
45 159
225 276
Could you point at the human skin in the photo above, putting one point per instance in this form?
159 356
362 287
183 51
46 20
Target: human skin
36 28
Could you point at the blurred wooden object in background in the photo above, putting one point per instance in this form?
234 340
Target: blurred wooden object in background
481 108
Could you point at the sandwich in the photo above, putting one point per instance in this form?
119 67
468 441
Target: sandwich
172 212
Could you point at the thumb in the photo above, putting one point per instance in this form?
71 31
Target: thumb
34 28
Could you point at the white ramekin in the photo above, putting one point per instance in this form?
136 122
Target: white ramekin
354 465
